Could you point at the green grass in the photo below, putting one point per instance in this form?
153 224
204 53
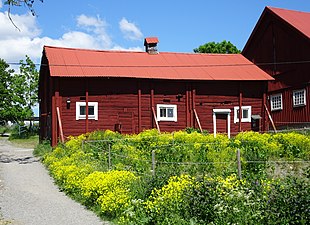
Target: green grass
5 129
41 149
30 142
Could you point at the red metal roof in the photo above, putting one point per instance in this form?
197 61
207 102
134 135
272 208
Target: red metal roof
151 40
68 62
299 20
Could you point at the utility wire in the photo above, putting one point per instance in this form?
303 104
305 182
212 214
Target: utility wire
169 66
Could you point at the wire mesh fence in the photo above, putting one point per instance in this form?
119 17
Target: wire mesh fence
191 158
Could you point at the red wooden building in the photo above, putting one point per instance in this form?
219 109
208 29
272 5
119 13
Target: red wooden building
280 45
85 90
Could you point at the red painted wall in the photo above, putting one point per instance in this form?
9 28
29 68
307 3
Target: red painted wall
118 103
280 50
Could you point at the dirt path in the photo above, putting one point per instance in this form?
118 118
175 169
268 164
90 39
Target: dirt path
28 195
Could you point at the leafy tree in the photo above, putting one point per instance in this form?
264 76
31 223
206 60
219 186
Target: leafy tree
28 83
6 79
223 47
18 92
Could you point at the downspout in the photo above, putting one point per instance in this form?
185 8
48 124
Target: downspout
139 110
55 104
86 95
152 106
274 51
193 107
240 108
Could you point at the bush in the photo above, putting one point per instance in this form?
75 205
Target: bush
111 190
195 180
288 202
20 131
167 205
42 149
293 145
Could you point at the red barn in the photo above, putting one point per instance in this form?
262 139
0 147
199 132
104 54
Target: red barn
85 90
280 45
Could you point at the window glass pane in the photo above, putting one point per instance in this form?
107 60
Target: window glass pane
299 97
245 113
83 110
276 102
91 110
170 112
162 112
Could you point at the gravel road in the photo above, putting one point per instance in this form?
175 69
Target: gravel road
28 195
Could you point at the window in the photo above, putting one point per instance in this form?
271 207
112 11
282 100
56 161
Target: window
92 110
246 114
166 112
276 102
299 98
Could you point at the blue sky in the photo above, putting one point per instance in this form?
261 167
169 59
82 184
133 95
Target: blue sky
180 26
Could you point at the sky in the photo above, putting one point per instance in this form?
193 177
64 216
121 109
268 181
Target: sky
180 26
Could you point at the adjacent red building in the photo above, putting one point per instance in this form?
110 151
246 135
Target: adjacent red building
280 45
85 90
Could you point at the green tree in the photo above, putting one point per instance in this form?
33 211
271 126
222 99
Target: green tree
223 47
28 84
6 79
18 92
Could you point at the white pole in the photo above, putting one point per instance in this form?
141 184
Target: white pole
214 124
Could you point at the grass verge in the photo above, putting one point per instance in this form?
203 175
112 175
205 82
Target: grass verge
30 142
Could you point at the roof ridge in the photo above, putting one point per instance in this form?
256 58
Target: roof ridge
128 51
290 10
93 50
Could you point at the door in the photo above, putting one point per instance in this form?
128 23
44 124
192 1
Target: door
221 121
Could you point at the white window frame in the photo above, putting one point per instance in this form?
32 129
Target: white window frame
175 113
243 119
297 101
272 99
83 117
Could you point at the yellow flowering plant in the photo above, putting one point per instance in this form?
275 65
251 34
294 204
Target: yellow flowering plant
111 190
83 168
169 201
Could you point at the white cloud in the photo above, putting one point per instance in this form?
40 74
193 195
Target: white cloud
96 26
134 49
130 30
15 44
83 20
26 24
0 4
91 33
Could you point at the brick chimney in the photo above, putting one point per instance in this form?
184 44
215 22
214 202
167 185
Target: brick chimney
150 44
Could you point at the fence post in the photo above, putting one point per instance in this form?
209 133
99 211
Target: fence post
239 164
153 162
109 157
